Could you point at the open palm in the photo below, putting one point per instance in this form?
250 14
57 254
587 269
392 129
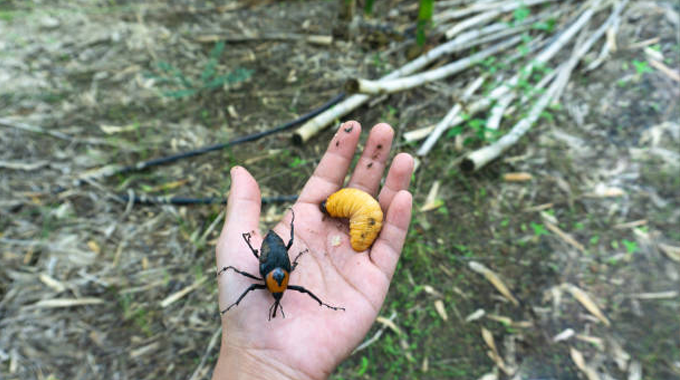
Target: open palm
312 340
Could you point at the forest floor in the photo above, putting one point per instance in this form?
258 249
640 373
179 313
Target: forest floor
85 83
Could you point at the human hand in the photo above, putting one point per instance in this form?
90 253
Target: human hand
312 340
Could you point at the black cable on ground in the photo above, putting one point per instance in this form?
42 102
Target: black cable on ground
196 152
184 201
252 137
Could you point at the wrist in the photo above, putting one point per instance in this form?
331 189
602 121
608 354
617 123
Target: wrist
238 362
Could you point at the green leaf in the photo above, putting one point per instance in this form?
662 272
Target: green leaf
539 229
642 67
521 13
363 367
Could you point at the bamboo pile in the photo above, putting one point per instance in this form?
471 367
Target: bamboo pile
528 37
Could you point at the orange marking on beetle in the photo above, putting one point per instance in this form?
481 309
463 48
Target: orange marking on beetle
274 286
364 213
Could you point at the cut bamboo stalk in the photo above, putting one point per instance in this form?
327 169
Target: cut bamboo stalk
453 113
496 113
483 156
405 83
502 6
477 20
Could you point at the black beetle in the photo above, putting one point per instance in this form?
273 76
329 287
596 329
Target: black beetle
275 269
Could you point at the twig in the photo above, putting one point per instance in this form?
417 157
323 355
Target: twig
208 350
441 126
174 297
405 83
670 73
26 127
481 157
312 38
111 170
376 336
184 201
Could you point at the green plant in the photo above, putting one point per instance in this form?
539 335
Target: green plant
547 26
631 246
594 239
642 67
539 229
521 13
368 7
297 161
425 12
178 85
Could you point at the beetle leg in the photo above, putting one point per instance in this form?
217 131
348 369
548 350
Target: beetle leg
292 219
272 310
224 269
252 287
303 290
246 237
295 263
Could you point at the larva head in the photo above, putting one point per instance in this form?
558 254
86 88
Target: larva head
322 207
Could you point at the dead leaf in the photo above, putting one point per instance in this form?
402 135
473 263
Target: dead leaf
564 335
431 202
672 252
94 247
517 177
479 313
587 302
65 302
441 310
391 325
580 362
111 129
565 236
494 280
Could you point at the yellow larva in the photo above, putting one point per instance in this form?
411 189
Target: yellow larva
364 213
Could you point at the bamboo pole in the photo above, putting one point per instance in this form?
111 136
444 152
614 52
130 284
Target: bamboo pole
454 112
405 83
479 19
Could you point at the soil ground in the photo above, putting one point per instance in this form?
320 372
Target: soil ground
119 82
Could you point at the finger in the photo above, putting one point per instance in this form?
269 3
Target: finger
330 173
386 250
243 207
398 178
371 165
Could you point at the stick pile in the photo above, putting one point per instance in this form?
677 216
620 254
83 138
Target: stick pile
532 40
